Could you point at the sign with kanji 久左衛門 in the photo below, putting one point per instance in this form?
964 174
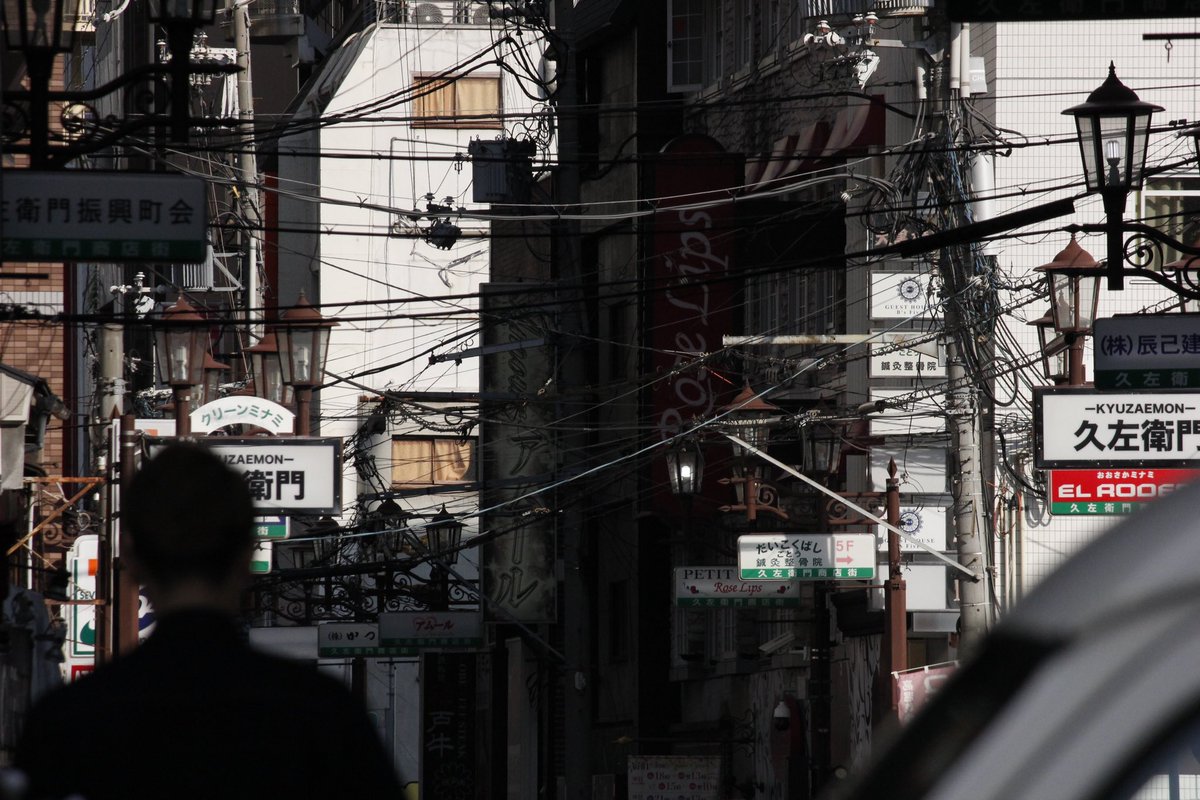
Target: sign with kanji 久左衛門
77 215
1144 351
1083 428
300 475
806 556
720 587
1112 491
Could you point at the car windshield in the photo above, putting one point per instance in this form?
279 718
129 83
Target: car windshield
1170 770
951 722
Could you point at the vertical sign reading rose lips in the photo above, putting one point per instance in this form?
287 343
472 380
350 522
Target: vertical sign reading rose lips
693 307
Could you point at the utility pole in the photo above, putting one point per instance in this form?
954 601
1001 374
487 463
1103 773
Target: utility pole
250 199
962 398
572 444
111 384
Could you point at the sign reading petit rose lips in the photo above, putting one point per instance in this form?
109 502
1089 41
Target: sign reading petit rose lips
1112 491
721 586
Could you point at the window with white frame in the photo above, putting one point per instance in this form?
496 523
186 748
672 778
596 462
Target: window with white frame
745 32
471 101
419 461
694 43
1171 203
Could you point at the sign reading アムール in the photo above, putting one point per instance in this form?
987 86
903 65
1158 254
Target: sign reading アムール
1083 428
1112 491
806 556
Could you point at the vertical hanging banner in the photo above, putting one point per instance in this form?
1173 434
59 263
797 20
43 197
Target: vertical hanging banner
517 453
448 740
694 235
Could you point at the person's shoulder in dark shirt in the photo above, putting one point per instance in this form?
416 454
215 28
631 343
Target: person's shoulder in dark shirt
194 712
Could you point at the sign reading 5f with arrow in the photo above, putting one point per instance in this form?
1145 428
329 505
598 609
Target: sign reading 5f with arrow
806 556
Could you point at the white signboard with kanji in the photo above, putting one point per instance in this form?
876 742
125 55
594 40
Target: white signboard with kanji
78 215
806 556
301 475
889 361
1081 428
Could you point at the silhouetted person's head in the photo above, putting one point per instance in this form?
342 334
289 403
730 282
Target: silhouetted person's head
191 527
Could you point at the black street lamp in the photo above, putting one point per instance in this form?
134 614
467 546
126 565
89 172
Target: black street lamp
1114 127
303 337
182 342
1074 278
37 30
445 536
444 533
685 467
44 29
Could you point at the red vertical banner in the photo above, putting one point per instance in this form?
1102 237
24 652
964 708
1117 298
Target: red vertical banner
692 282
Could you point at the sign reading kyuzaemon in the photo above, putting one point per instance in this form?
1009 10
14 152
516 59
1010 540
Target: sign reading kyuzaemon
102 216
1086 428
302 475
1084 492
1143 351
806 556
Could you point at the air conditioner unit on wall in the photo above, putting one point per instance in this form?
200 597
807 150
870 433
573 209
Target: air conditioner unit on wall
428 14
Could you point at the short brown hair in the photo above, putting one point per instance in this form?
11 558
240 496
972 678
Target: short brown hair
189 515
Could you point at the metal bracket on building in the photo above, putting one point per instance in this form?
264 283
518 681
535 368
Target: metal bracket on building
59 509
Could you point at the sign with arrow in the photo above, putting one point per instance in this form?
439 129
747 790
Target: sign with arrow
806 556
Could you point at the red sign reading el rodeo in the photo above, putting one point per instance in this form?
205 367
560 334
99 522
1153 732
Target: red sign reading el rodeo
1112 491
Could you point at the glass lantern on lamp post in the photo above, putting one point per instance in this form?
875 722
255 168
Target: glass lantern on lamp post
1113 127
303 338
182 343
685 468
1053 349
214 374
1074 278
749 418
37 30
266 370
444 533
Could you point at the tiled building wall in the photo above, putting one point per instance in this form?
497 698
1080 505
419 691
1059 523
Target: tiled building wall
35 346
